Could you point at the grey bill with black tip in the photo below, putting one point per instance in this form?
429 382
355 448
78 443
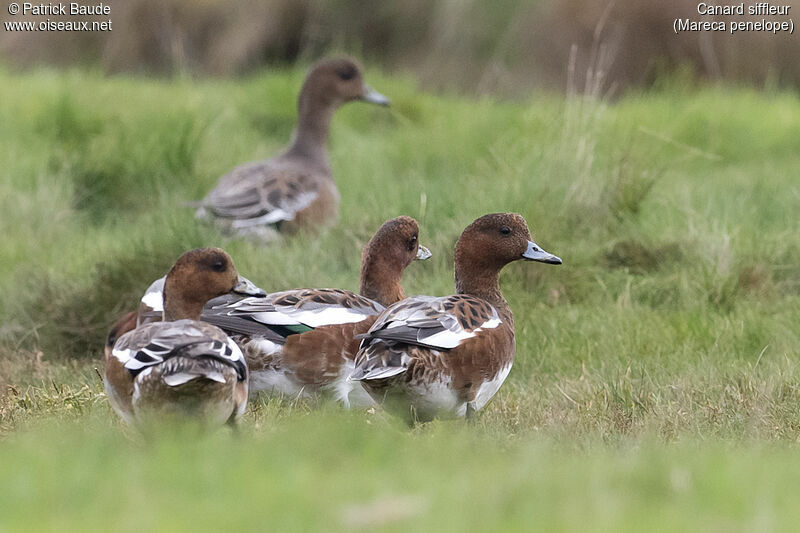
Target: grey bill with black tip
247 287
535 253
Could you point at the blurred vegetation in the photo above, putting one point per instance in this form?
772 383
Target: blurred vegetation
342 474
474 46
656 383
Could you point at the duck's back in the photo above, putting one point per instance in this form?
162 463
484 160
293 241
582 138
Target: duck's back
280 331
180 366
285 192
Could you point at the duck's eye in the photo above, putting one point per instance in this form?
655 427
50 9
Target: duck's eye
412 242
505 230
347 73
218 266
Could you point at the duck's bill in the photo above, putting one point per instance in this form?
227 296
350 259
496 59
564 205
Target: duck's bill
374 97
535 253
247 287
423 253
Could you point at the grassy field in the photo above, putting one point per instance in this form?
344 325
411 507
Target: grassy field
656 385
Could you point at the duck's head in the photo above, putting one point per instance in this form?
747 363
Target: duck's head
492 241
198 276
393 247
397 240
341 80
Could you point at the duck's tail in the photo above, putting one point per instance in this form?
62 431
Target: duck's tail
182 370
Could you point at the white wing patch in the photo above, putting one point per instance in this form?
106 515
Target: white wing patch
455 335
451 337
174 380
121 355
154 296
236 352
328 315
277 315
270 218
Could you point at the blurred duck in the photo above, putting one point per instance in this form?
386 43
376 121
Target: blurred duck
302 342
294 190
181 365
427 357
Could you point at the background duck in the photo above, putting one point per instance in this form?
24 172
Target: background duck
295 189
425 356
181 365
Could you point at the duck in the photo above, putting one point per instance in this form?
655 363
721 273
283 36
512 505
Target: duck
181 365
301 342
294 190
430 357
151 309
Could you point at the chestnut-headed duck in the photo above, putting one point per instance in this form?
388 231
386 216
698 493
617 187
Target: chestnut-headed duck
294 190
181 365
151 308
427 357
302 342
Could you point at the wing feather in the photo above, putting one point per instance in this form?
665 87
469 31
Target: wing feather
419 327
280 314
441 323
157 342
263 193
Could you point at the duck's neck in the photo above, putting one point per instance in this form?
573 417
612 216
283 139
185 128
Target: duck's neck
483 283
313 124
177 307
380 281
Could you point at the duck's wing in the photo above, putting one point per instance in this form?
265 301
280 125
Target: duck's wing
422 327
323 307
280 314
151 305
262 193
441 323
155 343
204 349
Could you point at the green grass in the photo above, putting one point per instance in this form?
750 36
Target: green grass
346 475
656 385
